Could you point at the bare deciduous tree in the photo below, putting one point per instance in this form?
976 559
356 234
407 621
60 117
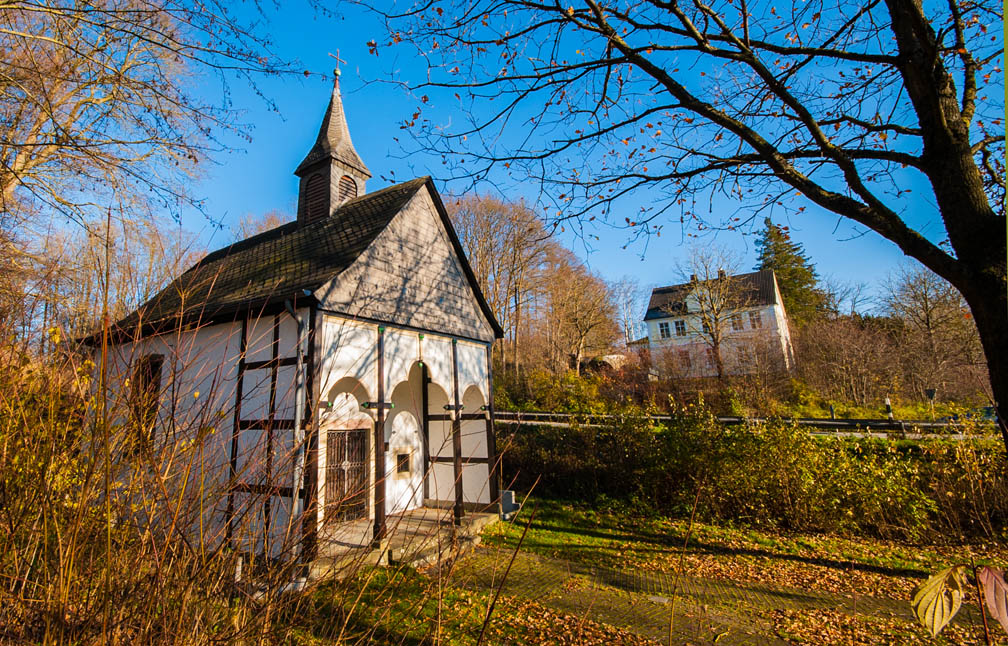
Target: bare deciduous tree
629 298
251 224
845 106
143 257
848 359
715 296
941 337
583 312
507 247
100 99
845 297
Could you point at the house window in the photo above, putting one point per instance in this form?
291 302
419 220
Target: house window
736 322
145 393
746 357
755 320
402 463
706 326
710 358
680 328
685 361
663 330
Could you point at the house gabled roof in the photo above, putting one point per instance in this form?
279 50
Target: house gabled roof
286 263
759 290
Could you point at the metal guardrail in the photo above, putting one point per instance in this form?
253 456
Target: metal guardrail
882 428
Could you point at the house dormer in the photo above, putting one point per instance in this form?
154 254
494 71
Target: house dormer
332 172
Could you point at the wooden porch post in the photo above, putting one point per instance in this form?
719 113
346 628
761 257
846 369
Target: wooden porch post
428 465
379 446
457 436
309 524
492 460
233 461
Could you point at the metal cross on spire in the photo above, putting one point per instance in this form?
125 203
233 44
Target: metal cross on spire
339 60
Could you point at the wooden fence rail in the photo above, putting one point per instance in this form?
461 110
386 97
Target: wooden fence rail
878 428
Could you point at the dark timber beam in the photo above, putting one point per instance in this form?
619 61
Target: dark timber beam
233 463
425 420
309 524
494 471
268 502
379 447
457 436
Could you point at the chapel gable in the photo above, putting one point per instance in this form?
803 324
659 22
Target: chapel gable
414 274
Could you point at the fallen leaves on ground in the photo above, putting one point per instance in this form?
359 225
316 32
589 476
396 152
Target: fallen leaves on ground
831 627
531 623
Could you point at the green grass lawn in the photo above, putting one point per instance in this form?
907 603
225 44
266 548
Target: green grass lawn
431 606
836 564
386 606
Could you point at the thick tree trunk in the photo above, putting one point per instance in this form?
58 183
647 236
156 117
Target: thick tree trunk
976 232
989 303
718 361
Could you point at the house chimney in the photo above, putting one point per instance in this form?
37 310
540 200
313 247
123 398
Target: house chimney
721 274
692 278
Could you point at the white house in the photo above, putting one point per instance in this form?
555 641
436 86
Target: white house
333 370
752 327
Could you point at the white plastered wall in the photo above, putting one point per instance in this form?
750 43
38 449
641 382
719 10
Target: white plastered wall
195 415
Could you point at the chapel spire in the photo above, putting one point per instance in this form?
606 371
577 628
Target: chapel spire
332 171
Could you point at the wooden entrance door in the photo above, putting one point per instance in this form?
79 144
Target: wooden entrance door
346 480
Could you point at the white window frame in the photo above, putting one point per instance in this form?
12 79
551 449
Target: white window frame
663 330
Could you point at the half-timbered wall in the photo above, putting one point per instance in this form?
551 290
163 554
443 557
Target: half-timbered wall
204 429
268 446
229 399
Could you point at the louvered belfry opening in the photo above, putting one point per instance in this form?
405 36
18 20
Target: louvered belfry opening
347 188
332 156
316 198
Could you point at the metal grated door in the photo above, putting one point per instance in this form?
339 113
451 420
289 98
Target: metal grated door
346 475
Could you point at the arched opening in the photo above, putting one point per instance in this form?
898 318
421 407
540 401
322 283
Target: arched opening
316 198
344 463
476 470
405 457
441 472
347 188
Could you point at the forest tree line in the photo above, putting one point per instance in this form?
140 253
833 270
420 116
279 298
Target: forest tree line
557 314
855 344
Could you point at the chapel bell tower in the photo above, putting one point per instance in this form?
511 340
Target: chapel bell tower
332 172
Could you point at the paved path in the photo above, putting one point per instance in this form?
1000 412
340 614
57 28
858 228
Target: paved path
706 610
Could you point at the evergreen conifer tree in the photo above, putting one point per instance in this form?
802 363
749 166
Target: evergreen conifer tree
796 275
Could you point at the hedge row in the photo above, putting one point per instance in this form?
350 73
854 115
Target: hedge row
772 474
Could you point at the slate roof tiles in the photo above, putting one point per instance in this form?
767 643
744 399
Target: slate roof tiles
278 264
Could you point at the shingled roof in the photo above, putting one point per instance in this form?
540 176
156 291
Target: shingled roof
758 288
276 265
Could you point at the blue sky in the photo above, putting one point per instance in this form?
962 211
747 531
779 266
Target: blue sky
258 176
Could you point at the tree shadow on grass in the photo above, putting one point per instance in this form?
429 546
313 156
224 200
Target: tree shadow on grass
674 540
